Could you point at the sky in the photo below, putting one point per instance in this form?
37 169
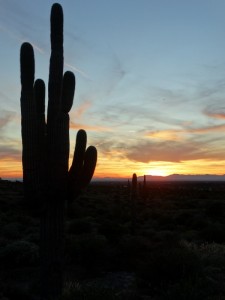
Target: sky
150 81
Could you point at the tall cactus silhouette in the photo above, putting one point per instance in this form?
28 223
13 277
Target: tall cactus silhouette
45 155
134 185
133 202
144 190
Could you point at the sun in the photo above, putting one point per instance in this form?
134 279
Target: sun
157 172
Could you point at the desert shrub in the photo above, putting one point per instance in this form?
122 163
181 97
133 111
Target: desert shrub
165 221
215 209
4 205
166 265
87 250
19 253
185 290
149 233
85 292
167 236
132 250
26 221
14 292
75 290
12 230
33 237
212 256
214 232
76 211
199 221
111 230
190 235
79 226
183 218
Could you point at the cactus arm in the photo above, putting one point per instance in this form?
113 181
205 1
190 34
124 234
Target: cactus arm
79 153
83 165
29 128
90 161
68 90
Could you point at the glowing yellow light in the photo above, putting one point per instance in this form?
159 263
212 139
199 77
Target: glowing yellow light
157 172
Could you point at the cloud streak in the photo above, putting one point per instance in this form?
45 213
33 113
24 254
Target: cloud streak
24 30
216 112
180 134
78 126
176 151
5 118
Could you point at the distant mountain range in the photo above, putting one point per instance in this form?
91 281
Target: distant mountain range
174 177
179 177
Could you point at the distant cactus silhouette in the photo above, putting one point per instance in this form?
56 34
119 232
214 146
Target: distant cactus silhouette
134 185
45 155
133 202
144 189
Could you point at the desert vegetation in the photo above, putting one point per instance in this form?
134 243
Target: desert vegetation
177 250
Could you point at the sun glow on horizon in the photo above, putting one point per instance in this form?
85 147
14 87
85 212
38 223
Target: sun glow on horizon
11 167
158 172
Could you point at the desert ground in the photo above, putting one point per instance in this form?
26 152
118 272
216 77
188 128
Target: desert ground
167 243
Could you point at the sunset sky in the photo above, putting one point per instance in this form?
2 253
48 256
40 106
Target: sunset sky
150 81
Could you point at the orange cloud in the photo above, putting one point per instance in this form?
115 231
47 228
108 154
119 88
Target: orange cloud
79 122
213 128
217 115
179 134
10 167
80 111
171 135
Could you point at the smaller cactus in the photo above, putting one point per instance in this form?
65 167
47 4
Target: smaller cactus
134 184
133 203
144 190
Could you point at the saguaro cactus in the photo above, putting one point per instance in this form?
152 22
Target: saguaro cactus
45 155
134 185
144 192
133 202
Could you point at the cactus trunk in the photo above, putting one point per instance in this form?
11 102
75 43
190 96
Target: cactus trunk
52 248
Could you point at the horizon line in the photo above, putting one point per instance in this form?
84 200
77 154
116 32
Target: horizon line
117 178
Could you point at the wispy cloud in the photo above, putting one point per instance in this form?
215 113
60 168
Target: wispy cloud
75 69
80 120
10 150
172 151
171 135
9 147
5 118
217 112
79 112
181 134
74 125
19 27
208 129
